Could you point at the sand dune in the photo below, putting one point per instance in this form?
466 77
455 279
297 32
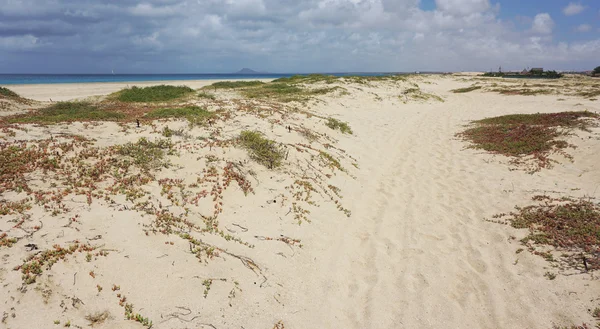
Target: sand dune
416 251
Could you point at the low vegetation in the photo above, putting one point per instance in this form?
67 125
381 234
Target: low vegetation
571 226
522 91
329 79
67 112
235 84
310 78
5 92
206 95
194 114
465 90
523 135
336 124
262 150
160 93
285 92
415 93
146 154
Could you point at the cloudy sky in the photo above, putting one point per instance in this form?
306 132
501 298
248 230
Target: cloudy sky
221 36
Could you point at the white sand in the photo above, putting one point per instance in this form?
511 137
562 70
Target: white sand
416 252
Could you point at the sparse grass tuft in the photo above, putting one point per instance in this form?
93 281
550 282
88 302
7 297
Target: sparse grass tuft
416 94
97 318
311 78
153 94
589 93
336 124
569 225
207 95
262 150
522 135
235 84
67 112
146 154
523 91
465 90
5 92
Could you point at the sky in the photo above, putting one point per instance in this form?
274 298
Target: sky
296 36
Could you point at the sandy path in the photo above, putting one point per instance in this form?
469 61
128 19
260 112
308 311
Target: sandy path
416 252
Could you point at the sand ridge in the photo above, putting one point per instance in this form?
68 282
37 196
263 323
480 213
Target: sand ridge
415 252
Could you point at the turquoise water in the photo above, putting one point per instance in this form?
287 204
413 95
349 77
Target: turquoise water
12 79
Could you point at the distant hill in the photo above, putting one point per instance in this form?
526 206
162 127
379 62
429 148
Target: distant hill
246 70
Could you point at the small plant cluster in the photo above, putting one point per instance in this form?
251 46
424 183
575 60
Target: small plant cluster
147 154
522 91
284 92
329 79
68 112
130 314
569 225
160 93
262 150
34 265
336 124
527 135
415 93
5 241
235 84
466 90
5 92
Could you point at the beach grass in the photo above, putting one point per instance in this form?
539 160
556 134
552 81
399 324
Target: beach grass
336 124
465 90
145 153
235 84
8 93
67 112
522 91
415 93
310 78
160 93
206 95
285 92
261 149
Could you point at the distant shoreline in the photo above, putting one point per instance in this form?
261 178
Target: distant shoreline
37 79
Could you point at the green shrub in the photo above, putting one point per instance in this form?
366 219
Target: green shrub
67 112
153 94
465 90
336 124
146 154
207 95
262 150
235 84
8 93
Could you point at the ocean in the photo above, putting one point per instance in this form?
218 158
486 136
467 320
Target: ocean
13 79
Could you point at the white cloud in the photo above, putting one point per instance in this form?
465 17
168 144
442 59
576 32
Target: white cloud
542 23
573 8
584 28
279 36
462 7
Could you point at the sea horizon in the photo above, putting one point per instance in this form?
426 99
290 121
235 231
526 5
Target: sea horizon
32 78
